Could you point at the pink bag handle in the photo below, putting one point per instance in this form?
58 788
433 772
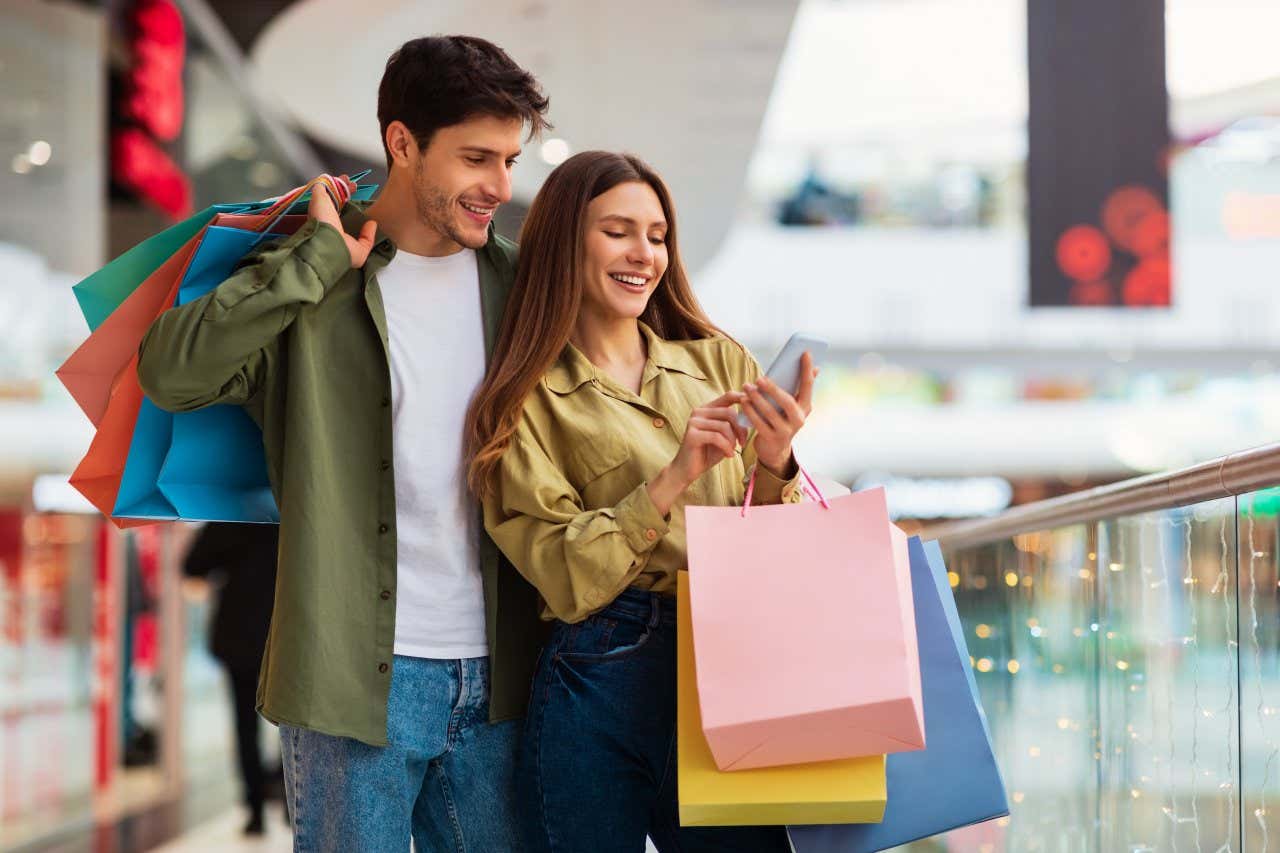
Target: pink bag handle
816 494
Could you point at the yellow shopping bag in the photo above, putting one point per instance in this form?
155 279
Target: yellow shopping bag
850 790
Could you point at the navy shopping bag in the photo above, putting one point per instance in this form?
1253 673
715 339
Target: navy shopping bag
954 781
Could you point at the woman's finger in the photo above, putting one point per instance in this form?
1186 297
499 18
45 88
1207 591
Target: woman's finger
753 416
727 416
791 411
714 425
804 394
702 438
765 409
728 398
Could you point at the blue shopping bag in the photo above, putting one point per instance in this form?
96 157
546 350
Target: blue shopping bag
954 781
206 465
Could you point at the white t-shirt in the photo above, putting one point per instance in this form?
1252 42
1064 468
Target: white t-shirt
436 337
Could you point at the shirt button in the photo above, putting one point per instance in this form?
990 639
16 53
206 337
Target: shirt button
382 667
386 401
386 466
651 534
385 594
659 423
382 528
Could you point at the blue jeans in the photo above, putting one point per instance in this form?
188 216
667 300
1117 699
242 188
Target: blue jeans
445 775
596 769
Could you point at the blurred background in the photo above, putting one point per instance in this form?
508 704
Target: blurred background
1042 237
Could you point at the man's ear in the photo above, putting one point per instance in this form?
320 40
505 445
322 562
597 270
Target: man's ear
401 143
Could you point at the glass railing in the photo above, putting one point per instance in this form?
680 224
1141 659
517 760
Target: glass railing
1126 643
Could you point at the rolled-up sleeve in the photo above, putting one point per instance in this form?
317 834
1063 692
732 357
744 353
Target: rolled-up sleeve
578 559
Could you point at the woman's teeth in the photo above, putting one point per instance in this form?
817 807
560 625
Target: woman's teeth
633 280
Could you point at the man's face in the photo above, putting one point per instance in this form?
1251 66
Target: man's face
464 174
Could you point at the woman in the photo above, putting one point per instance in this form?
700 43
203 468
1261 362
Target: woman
609 405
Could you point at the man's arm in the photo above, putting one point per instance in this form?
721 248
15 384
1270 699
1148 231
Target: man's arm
214 349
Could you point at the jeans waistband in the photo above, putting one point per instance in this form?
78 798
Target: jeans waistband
638 605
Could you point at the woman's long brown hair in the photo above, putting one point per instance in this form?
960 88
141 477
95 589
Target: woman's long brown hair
547 295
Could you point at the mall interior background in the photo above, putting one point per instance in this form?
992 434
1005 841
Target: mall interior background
857 169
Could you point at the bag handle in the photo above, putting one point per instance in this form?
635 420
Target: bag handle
816 494
339 190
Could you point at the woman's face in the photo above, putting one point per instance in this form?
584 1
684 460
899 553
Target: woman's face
625 251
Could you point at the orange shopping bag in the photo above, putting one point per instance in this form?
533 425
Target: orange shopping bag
97 477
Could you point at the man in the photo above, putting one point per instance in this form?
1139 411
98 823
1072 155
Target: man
399 652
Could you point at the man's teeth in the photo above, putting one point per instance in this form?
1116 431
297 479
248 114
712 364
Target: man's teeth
635 280
481 211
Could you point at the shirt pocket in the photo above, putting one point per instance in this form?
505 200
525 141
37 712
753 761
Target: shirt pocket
597 465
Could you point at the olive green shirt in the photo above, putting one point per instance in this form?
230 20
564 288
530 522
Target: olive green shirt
570 507
299 339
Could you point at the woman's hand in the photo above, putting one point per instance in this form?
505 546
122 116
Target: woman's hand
774 429
712 435
323 209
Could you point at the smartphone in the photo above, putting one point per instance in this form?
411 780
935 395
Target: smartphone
785 370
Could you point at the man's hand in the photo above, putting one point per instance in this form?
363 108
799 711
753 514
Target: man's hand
322 209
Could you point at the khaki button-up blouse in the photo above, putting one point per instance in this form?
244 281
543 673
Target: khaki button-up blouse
570 508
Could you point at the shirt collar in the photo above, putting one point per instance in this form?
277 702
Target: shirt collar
572 369
670 355
353 219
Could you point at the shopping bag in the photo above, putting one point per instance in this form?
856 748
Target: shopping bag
804 631
97 477
954 782
206 465
100 474
105 290
215 452
850 790
89 373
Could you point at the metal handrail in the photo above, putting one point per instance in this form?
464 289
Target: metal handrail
1233 474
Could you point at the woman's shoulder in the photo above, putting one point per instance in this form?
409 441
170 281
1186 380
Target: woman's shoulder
724 361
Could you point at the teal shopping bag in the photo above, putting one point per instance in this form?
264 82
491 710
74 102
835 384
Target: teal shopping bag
103 291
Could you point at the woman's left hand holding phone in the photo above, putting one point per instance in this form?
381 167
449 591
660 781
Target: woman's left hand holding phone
712 435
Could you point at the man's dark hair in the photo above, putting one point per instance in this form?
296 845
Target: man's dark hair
439 81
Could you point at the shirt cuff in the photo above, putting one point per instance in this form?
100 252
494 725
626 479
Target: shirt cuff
640 520
772 489
323 249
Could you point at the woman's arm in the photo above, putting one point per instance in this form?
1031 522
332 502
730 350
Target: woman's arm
578 559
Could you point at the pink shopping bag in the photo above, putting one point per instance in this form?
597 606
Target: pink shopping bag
804 631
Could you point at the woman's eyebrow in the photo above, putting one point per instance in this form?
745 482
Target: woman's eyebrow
659 223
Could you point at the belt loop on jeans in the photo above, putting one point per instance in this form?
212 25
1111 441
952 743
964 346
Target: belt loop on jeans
655 610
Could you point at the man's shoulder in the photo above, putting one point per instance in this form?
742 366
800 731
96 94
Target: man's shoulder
508 250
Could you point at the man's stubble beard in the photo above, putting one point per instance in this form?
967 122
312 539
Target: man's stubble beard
435 210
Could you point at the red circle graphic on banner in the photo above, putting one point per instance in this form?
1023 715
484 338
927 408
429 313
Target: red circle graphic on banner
1083 253
1148 283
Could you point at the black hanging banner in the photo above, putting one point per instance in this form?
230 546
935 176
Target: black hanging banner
1098 147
